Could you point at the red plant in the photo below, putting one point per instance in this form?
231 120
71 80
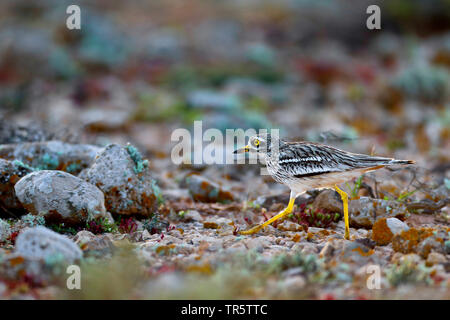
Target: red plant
320 218
12 237
128 225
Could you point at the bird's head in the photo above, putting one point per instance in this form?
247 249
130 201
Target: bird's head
261 143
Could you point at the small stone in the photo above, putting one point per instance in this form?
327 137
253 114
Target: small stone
210 225
61 197
401 258
309 248
435 258
175 194
146 235
104 119
201 189
291 272
396 226
315 230
268 201
40 243
94 245
357 251
259 243
289 226
384 230
293 284
429 245
83 237
193 215
223 223
327 251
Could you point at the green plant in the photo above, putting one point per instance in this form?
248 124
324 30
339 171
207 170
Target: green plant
356 187
62 228
404 195
408 272
101 225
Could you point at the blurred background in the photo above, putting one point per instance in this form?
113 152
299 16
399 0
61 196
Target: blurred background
137 70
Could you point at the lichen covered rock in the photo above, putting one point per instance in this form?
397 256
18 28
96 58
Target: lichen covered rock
384 230
60 196
10 173
124 177
40 243
421 241
51 155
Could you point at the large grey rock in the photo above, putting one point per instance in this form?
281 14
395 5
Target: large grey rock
40 243
41 254
60 196
124 177
51 155
10 173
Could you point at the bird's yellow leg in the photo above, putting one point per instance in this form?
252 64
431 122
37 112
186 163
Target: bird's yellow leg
283 213
344 198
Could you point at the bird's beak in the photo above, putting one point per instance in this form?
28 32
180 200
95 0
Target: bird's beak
242 150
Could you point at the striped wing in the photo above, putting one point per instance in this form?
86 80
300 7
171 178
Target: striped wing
310 159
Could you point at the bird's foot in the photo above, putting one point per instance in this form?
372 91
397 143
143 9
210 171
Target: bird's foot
271 220
252 230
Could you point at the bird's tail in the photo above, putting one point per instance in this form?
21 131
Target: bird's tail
394 161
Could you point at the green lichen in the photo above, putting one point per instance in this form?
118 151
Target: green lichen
140 164
20 164
73 167
447 183
447 246
157 192
48 162
32 220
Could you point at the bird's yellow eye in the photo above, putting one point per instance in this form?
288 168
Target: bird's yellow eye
256 142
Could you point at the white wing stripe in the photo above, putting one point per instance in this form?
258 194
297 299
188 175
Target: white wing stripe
300 160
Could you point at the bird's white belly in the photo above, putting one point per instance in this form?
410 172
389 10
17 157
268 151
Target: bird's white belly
328 180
